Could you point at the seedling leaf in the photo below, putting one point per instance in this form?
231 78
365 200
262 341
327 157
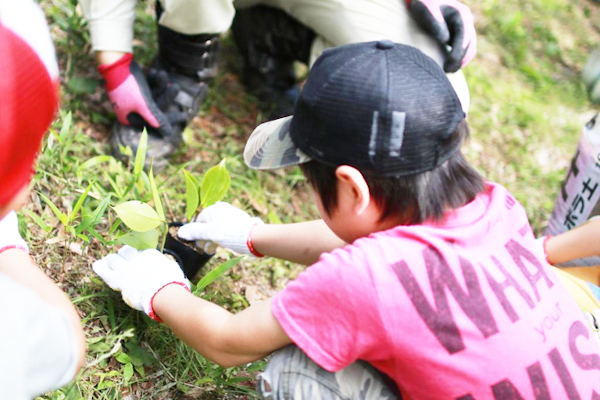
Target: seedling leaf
192 200
138 216
214 185
141 240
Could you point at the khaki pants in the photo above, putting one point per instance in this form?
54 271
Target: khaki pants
335 22
111 21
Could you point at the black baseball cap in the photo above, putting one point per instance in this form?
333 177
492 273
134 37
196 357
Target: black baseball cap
381 107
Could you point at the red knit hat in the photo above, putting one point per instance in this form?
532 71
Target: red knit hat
28 91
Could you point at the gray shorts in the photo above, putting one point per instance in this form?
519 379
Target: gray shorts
290 374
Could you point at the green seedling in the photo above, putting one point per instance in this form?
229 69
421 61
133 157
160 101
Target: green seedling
192 195
148 223
198 195
214 187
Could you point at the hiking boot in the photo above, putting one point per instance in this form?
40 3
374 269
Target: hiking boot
178 80
181 73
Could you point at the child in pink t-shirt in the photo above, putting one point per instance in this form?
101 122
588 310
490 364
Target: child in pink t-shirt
426 281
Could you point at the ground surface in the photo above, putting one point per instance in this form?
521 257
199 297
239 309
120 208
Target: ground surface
527 109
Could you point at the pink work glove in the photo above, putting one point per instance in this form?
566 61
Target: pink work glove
451 23
130 96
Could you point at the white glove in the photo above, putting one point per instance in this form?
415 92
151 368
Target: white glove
10 238
139 275
224 224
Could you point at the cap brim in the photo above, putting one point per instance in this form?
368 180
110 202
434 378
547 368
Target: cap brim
270 146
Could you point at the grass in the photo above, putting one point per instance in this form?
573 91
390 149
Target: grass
527 109
528 103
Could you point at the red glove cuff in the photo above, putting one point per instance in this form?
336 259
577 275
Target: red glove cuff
13 246
152 314
114 74
253 251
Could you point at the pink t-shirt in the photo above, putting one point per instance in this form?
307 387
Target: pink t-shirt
464 310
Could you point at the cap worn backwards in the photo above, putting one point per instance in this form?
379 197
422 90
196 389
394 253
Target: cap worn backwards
381 107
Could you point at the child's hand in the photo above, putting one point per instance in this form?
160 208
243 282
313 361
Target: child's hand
223 224
139 275
451 23
10 238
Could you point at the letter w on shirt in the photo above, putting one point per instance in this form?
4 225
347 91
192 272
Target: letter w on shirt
440 320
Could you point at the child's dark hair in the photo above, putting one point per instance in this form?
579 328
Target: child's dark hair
416 198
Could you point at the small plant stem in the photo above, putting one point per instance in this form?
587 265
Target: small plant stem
164 238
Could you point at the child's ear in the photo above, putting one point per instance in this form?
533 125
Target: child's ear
354 185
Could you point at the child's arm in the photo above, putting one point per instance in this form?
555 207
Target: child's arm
225 338
16 263
580 242
19 266
150 282
234 229
301 242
